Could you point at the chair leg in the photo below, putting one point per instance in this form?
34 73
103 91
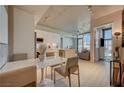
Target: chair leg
46 72
78 77
54 77
51 73
42 74
69 77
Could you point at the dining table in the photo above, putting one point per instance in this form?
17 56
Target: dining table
47 62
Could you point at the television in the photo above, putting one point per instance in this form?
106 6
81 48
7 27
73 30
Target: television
102 42
3 54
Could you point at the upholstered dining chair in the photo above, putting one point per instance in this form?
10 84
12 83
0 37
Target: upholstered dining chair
70 68
53 67
52 54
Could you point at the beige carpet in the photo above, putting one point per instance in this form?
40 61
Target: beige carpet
91 75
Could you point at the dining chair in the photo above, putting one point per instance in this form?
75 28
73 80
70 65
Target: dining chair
20 56
52 54
68 53
69 68
53 67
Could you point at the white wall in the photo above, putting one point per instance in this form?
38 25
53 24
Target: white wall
3 25
23 33
67 42
48 37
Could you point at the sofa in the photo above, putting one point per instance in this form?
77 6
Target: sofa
84 54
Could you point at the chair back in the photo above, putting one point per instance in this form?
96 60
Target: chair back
49 54
71 65
20 56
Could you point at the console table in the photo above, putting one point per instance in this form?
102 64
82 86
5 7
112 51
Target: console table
118 69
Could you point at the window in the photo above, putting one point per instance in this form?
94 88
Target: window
86 41
80 42
80 45
107 34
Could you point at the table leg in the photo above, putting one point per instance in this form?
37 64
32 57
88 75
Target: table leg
44 81
46 72
42 74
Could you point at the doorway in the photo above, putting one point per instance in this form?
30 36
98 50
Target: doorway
103 43
107 33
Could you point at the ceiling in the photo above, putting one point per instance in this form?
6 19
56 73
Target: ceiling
67 18
103 10
33 9
63 18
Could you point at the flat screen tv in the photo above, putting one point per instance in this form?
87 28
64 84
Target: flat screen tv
3 54
102 42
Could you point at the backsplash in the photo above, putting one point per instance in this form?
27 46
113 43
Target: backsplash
3 54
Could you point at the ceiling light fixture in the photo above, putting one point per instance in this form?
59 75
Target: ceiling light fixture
78 33
89 8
